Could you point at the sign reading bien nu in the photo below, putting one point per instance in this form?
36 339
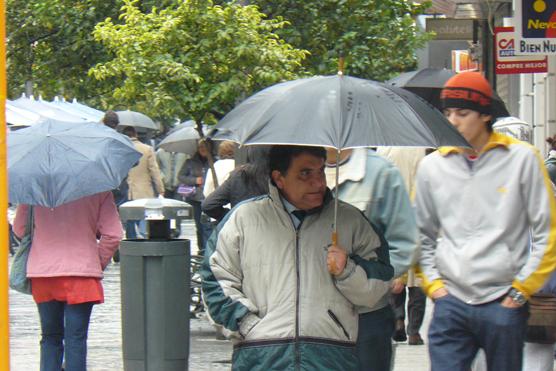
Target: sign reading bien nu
535 22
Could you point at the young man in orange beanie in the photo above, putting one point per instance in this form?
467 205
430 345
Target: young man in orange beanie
493 208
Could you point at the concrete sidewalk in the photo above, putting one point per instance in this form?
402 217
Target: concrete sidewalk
105 342
105 333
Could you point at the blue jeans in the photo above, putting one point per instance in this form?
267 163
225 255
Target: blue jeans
131 229
374 341
55 336
458 330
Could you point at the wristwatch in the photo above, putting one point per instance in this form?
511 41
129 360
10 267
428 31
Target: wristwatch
517 296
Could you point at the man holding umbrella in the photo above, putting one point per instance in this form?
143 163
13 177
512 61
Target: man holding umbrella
494 207
273 277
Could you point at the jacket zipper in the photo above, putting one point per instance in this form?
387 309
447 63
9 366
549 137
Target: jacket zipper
297 350
335 319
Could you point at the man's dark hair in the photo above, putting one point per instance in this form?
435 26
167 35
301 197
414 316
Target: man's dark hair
130 131
111 119
280 157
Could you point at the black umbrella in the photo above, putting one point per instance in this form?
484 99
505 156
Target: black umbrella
428 83
339 112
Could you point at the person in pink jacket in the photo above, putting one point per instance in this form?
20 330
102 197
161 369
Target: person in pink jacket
72 245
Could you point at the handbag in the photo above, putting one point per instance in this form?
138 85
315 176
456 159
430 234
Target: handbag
18 272
186 190
541 325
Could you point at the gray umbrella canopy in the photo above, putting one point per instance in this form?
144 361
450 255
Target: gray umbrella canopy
136 119
55 162
182 140
337 111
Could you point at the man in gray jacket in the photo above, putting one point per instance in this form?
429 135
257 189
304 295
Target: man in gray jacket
486 217
272 275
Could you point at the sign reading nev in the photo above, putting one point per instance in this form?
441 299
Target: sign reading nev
535 27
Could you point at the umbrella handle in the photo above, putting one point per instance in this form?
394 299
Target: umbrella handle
335 238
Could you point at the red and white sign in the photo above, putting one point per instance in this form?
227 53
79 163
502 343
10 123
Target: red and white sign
507 62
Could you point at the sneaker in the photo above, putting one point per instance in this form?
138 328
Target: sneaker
399 334
415 340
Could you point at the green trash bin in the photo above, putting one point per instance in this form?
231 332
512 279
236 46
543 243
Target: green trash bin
155 274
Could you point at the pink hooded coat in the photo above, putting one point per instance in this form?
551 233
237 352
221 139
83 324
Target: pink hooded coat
65 238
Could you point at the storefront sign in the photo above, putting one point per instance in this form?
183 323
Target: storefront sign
507 60
451 29
535 22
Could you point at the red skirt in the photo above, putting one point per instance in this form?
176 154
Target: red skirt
72 290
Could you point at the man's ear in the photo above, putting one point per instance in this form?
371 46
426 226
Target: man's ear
277 178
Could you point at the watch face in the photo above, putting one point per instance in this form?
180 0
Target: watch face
517 296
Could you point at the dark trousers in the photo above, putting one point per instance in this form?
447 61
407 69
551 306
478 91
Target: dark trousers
415 308
374 341
203 229
64 326
458 330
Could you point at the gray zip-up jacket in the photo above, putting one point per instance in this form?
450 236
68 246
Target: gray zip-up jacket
486 214
270 281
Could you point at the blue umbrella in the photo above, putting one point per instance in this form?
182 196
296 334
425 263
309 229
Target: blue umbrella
55 162
46 110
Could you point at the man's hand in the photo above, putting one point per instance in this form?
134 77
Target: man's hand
336 260
441 292
397 286
509 303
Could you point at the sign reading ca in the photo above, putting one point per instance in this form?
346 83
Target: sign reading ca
507 62
535 27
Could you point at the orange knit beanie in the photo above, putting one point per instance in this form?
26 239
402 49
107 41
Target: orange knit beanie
467 90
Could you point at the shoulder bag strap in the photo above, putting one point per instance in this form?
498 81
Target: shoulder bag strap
30 226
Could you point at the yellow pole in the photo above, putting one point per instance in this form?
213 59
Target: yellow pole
4 313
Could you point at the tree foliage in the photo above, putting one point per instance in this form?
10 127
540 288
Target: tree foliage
50 44
193 59
377 37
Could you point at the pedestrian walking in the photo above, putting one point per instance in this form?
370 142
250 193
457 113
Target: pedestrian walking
247 181
375 186
550 161
222 167
407 286
142 178
72 245
540 339
272 275
493 206
120 194
192 177
170 164
111 119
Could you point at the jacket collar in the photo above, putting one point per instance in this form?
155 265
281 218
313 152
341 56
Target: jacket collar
353 169
495 140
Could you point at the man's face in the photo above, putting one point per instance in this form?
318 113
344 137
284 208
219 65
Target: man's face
304 184
470 124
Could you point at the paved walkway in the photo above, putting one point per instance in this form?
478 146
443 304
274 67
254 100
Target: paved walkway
105 342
